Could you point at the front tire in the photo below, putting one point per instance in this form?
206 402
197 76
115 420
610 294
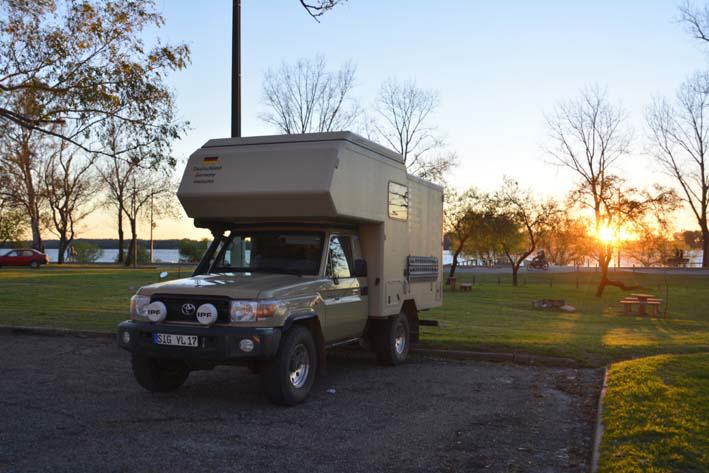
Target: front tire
159 376
289 377
394 338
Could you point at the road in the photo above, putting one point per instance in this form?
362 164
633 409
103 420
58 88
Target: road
70 404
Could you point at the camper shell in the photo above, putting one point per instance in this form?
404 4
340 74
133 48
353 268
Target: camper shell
338 189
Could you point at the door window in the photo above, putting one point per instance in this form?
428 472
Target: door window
339 257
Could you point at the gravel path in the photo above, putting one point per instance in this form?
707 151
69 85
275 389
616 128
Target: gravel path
70 405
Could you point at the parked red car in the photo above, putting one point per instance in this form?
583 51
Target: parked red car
24 257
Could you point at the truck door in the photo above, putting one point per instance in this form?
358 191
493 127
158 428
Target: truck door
345 304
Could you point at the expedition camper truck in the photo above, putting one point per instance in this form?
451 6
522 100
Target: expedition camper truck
319 239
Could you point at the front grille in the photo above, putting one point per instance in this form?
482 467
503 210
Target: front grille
174 305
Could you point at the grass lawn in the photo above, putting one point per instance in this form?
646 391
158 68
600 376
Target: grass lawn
88 298
491 317
500 317
656 415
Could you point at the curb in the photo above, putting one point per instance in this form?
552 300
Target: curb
459 355
598 430
53 332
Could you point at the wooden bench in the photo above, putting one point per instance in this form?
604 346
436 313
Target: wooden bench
466 287
653 303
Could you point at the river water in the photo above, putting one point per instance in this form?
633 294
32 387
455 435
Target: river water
109 255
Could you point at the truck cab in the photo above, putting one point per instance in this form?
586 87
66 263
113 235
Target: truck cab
294 267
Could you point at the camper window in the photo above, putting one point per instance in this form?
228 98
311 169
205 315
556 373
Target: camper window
339 257
398 201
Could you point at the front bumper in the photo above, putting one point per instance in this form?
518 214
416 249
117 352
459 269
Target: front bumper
216 343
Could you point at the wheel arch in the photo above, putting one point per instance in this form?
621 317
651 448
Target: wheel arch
409 308
311 321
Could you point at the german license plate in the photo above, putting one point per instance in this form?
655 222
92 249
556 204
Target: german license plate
176 340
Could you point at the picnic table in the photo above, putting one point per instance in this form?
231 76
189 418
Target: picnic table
643 301
466 287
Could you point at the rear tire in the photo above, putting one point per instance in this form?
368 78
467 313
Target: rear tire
289 377
159 376
393 340
34 265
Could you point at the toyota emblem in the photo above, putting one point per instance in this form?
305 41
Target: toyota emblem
188 309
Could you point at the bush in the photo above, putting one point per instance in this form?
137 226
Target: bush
192 250
85 252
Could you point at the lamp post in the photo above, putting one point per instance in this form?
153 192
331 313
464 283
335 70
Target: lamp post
236 69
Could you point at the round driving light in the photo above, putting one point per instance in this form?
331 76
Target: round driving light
206 314
246 345
126 337
156 311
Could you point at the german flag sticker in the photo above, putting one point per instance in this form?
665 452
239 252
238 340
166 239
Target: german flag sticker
211 159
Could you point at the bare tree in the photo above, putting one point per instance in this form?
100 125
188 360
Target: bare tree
680 137
305 97
402 122
70 187
146 187
588 137
317 8
696 19
115 171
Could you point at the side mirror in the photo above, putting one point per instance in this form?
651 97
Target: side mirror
360 268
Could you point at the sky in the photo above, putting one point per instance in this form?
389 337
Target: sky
498 67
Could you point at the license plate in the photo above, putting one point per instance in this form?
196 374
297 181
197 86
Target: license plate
176 340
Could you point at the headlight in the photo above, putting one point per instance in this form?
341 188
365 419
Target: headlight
249 311
138 305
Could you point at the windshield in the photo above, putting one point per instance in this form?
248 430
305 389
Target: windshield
272 252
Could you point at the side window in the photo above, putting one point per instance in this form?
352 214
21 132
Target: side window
398 201
339 257
27 253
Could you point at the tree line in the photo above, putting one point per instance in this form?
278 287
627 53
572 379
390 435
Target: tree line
86 117
87 120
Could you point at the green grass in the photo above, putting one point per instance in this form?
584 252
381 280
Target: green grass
87 298
492 317
656 415
500 317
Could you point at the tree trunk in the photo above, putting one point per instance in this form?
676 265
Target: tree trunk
121 256
62 249
603 266
454 264
515 270
603 263
133 249
705 247
37 242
